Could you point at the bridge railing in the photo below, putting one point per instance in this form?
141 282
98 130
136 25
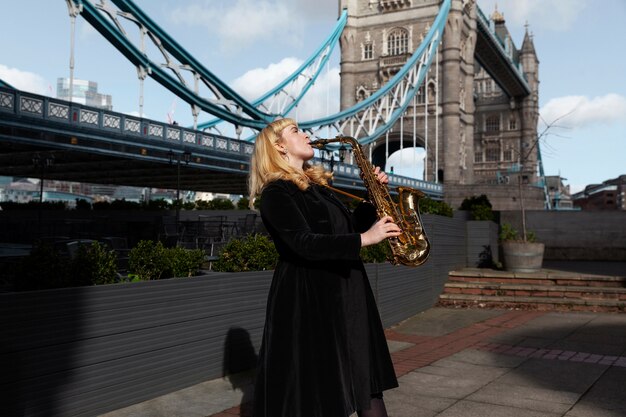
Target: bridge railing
81 118
32 105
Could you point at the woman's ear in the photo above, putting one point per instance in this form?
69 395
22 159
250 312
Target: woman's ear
280 148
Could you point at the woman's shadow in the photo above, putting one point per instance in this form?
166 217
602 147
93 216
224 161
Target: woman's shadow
239 366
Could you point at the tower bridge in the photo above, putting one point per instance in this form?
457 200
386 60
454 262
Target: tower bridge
438 75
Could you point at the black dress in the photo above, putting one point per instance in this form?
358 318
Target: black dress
324 351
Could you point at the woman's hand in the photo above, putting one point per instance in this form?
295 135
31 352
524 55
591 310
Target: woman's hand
380 231
382 176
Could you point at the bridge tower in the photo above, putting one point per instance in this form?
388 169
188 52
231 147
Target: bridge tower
474 133
378 39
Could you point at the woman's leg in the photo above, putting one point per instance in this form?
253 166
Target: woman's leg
377 407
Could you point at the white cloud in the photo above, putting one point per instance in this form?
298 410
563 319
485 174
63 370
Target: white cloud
242 22
322 99
24 80
557 15
582 111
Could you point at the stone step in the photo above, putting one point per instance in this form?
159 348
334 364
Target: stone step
532 290
544 277
535 303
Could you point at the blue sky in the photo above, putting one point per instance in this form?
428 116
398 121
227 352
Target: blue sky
579 43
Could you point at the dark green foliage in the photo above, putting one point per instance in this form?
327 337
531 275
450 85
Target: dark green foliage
47 268
221 204
251 253
93 265
82 204
508 233
147 260
33 205
441 208
44 268
183 262
243 203
485 259
376 254
150 260
215 204
479 207
158 204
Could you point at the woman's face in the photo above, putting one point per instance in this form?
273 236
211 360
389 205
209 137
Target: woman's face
296 143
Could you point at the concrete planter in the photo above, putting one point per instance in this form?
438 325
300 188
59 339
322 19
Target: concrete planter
522 256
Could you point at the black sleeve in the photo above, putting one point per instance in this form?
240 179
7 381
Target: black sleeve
364 216
287 223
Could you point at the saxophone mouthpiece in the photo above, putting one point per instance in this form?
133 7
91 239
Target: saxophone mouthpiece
319 144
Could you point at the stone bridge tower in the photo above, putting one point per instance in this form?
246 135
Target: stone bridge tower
450 112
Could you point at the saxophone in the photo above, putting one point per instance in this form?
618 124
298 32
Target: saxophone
412 247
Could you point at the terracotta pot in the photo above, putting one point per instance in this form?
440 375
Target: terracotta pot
522 256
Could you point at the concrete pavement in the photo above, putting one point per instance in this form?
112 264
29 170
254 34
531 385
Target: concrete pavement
469 363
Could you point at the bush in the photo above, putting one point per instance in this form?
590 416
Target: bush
378 253
441 208
46 268
251 253
147 260
150 260
93 264
479 207
183 262
243 203
508 233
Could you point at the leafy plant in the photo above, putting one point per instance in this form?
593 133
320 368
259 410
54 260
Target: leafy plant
377 253
93 265
46 267
510 234
479 207
252 253
441 208
147 260
183 262
150 260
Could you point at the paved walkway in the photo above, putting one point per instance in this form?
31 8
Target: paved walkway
469 363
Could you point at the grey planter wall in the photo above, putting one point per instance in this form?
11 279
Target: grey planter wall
481 236
85 351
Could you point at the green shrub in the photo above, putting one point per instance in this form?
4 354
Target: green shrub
43 268
147 260
82 204
378 253
251 253
150 260
183 262
441 208
479 207
508 233
46 268
243 203
93 264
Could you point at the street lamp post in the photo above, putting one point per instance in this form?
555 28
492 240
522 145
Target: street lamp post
41 163
186 157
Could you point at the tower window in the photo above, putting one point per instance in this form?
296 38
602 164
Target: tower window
492 124
368 51
512 123
493 153
398 42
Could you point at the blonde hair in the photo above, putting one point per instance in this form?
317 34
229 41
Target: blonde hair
267 164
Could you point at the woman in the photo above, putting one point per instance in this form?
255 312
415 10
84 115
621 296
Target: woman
324 352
